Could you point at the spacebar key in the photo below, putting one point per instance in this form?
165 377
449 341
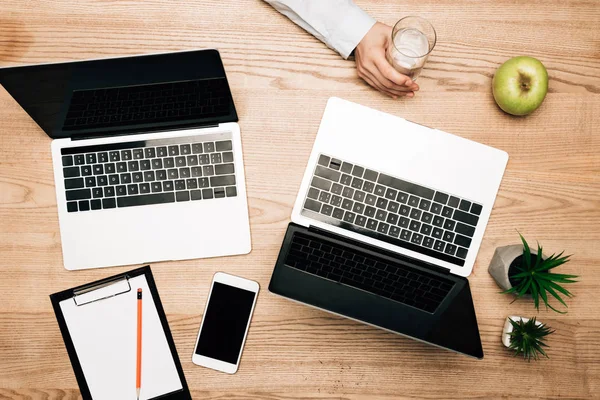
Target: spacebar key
145 200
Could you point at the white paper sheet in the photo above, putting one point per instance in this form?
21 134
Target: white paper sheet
104 335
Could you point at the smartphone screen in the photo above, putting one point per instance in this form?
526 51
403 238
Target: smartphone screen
225 322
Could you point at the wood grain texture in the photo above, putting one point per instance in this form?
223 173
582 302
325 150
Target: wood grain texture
281 78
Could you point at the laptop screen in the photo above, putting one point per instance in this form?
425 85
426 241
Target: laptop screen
122 95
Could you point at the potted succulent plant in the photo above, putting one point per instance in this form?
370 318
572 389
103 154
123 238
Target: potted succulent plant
525 336
519 271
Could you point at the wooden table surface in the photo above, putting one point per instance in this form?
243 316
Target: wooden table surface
281 78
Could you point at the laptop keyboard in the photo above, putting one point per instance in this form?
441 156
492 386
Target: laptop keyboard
390 209
148 172
147 104
344 265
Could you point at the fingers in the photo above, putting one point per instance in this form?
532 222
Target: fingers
392 77
375 81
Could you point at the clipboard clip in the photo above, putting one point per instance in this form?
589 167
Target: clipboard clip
102 290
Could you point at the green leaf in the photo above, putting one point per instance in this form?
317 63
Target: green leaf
526 252
560 289
538 259
524 288
535 294
521 275
556 295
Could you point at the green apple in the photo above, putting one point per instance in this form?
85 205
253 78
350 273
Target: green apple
520 85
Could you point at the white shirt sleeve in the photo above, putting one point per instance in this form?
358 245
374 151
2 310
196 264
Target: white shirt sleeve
340 24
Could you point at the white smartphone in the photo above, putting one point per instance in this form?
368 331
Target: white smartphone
225 322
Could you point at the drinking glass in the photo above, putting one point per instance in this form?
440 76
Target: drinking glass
413 38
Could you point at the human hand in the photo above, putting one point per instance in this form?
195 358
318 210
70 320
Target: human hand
373 67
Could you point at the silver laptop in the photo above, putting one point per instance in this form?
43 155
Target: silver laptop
387 225
147 156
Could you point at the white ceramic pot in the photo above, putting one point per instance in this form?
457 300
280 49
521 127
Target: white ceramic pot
508 328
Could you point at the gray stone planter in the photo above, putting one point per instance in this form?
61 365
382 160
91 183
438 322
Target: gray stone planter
503 257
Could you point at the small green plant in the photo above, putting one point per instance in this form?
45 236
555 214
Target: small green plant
534 277
527 338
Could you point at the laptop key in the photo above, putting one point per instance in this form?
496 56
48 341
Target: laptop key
439 245
312 205
90 158
476 209
440 197
72 206
338 213
168 186
368 187
427 217
453 201
437 233
224 169
464 229
191 183
382 227
450 249
79 159
109 191
360 220
449 224
67 161
147 199
196 195
86 170
207 194
90 181
231 191
97 192
150 152
208 170
223 180
203 182
464 205
227 157
405 234
74 183
84 205
327 209
370 175
173 150
461 253
144 188
185 149
209 147
121 190
372 224
466 217
428 242
109 203
417 238
96 204
438 221
197 148
462 241
349 217
138 154
346 167
169 162
215 158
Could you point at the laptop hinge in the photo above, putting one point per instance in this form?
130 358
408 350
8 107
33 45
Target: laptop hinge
376 249
103 135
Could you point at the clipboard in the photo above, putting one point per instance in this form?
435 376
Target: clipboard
98 325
